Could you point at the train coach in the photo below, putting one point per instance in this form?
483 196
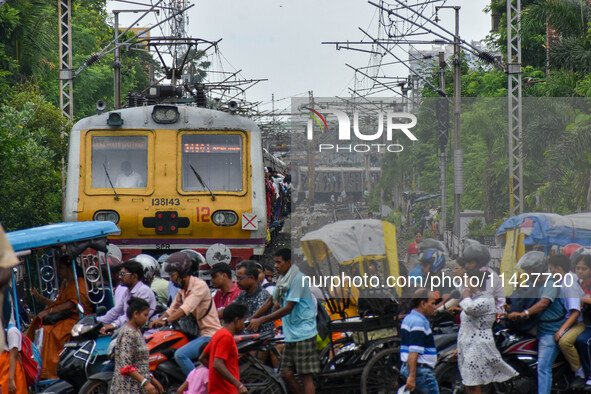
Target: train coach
171 177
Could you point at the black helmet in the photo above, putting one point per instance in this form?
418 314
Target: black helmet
197 260
578 254
180 262
474 251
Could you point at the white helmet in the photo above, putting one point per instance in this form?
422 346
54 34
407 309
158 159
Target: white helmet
150 265
161 261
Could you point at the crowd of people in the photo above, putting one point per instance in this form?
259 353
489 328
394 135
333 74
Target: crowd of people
549 303
261 297
254 295
279 191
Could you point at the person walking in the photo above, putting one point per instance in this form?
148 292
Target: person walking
293 302
221 353
417 345
479 361
132 370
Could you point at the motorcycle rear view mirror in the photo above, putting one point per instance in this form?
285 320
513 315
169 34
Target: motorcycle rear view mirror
101 310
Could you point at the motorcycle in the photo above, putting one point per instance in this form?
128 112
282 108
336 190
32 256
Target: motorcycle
162 345
82 356
517 349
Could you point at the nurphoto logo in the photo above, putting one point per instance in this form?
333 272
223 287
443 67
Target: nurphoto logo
394 122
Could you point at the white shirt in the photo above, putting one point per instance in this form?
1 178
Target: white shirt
13 339
131 181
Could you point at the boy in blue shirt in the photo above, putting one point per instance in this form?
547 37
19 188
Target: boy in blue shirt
417 346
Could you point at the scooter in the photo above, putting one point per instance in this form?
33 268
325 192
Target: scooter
82 356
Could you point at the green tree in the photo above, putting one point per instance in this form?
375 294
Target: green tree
30 180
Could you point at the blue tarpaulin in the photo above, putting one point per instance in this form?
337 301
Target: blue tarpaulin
548 229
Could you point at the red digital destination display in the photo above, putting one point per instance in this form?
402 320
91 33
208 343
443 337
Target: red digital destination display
209 148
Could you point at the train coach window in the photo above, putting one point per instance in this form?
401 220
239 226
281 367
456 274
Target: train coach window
216 158
119 160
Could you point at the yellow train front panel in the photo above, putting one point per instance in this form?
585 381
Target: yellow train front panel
171 187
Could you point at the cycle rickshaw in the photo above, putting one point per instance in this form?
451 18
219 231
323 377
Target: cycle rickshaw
39 249
366 358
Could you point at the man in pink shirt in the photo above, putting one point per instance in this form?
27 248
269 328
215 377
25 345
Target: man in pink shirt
228 290
194 298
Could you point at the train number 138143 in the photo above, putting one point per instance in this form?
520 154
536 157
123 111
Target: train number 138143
165 201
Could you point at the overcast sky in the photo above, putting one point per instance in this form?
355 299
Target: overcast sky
280 40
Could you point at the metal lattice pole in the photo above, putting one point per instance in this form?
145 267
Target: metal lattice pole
514 107
65 54
66 74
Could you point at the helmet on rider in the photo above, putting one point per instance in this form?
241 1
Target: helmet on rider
150 265
161 261
533 261
432 257
113 263
197 259
474 255
569 249
576 256
110 260
179 262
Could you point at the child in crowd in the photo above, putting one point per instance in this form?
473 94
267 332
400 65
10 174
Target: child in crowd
196 382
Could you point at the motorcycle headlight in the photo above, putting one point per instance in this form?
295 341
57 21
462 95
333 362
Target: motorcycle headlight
80 329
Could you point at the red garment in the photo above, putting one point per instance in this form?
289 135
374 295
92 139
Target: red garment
412 248
222 300
586 286
222 346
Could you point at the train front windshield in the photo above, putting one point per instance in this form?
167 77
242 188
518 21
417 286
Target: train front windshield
216 158
122 159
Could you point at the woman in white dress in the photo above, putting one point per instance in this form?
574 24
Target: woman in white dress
479 361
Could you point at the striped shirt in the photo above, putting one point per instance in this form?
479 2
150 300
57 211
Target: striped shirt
417 338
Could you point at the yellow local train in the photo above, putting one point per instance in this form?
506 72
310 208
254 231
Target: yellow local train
171 177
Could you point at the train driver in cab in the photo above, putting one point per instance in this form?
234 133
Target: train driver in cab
128 177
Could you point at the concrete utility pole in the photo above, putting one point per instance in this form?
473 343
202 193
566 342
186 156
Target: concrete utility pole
311 155
458 153
514 107
117 65
443 125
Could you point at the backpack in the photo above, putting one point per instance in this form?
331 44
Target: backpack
322 321
30 357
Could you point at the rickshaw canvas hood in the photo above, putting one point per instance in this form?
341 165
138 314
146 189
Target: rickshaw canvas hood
348 241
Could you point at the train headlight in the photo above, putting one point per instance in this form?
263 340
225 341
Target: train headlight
106 216
165 114
224 218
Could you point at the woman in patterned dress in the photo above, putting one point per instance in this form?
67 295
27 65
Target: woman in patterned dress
132 370
479 361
